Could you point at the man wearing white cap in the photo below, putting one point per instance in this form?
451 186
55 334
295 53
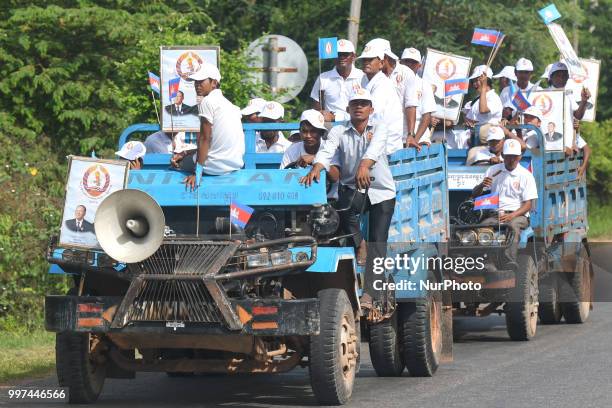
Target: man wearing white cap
517 189
334 87
411 58
251 111
312 129
505 76
490 154
487 108
271 141
387 104
524 71
133 152
366 180
221 139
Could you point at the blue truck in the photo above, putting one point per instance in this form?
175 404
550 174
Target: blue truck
554 277
179 289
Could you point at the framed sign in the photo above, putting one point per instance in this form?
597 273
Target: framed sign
565 48
590 81
89 182
178 97
552 105
440 67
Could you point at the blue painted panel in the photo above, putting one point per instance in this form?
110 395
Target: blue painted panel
327 258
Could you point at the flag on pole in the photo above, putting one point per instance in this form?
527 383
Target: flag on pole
154 82
240 214
485 37
456 86
328 48
173 86
487 202
520 101
549 14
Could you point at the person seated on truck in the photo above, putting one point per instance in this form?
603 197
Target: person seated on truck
332 89
250 113
490 154
220 141
159 142
366 182
444 130
271 141
486 108
516 188
312 130
133 152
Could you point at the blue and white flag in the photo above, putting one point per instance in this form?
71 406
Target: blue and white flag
549 14
328 48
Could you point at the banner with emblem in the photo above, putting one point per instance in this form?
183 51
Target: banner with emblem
89 182
552 104
178 97
439 68
590 81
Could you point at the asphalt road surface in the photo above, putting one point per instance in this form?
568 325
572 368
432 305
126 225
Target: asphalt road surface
564 366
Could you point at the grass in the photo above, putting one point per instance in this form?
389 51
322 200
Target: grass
600 220
26 355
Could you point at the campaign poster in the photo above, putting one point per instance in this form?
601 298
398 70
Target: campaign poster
552 104
590 81
178 97
440 67
89 182
565 48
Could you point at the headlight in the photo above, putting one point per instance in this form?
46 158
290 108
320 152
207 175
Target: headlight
485 236
468 237
258 260
279 258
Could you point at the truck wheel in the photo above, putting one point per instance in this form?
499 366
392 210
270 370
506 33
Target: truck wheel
333 352
76 369
549 309
577 290
522 315
421 334
385 348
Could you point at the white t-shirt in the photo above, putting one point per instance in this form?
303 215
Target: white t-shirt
514 187
406 85
506 94
387 109
455 138
427 104
495 110
279 146
227 145
296 150
337 90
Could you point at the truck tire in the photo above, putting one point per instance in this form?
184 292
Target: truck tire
577 289
549 309
385 348
421 334
333 352
75 368
522 315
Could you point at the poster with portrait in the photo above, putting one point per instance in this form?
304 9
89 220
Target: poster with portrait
552 105
565 48
590 81
440 67
178 97
89 182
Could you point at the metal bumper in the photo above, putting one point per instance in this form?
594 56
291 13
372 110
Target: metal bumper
259 317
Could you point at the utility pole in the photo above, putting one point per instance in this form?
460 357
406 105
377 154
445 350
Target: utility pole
353 25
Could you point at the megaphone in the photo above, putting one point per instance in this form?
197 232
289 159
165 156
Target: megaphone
129 225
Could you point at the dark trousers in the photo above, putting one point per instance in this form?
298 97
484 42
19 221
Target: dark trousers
513 233
380 215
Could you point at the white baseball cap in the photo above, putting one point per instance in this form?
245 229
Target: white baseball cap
495 133
377 47
506 72
534 111
314 117
361 94
132 150
181 145
255 105
479 70
546 71
509 104
557 66
523 64
411 54
207 70
345 46
512 147
272 110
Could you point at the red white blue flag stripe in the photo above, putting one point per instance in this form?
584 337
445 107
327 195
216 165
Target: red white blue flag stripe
520 101
456 86
173 86
240 214
487 202
154 82
485 37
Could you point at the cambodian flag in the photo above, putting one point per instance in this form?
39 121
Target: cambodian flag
487 202
154 82
549 13
240 214
456 86
173 86
485 37
328 48
520 101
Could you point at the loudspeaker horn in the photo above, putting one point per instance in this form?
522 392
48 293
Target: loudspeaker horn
129 225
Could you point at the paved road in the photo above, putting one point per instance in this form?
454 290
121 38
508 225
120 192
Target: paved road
564 366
